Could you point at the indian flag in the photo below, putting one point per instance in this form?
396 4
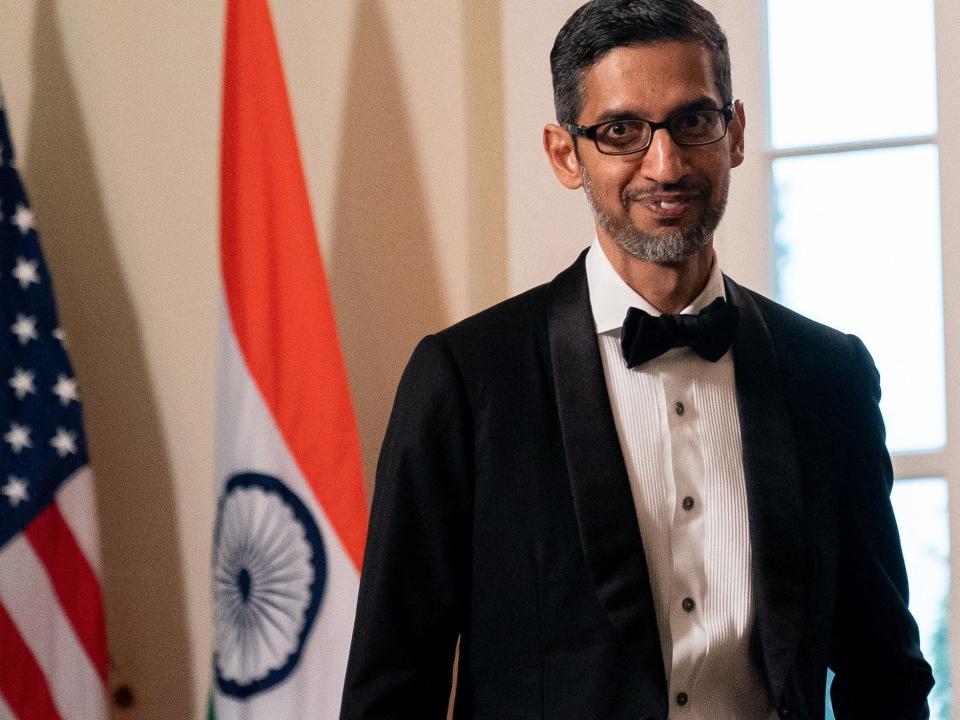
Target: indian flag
291 516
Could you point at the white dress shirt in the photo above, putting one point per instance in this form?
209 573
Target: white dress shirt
676 417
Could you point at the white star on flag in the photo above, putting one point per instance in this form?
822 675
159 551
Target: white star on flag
26 272
22 383
25 328
23 219
66 390
60 335
18 436
15 490
64 442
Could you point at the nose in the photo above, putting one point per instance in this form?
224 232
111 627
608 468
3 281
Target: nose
664 160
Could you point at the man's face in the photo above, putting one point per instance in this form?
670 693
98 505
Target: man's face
663 203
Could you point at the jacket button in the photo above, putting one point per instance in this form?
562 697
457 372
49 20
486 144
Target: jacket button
682 698
688 604
688 503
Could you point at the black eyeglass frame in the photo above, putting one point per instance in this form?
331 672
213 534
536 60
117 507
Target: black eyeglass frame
590 131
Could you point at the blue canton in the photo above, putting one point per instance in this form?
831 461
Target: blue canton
41 436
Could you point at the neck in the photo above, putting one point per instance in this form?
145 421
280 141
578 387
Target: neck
668 287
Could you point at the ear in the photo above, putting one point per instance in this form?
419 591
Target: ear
735 130
562 155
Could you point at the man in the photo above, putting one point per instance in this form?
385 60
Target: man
625 516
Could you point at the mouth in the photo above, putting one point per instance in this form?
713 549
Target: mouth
667 207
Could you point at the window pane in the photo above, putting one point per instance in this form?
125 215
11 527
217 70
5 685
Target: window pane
921 508
857 246
850 70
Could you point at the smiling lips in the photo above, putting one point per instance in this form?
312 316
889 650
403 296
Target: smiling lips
665 205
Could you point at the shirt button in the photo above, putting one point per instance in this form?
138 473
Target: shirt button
678 407
688 604
682 698
688 503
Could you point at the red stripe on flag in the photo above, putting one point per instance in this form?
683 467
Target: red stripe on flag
22 683
276 289
73 581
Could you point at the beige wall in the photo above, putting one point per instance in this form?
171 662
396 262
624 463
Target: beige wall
419 123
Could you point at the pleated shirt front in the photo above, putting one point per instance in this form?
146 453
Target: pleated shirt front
676 418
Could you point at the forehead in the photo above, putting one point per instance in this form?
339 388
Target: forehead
648 80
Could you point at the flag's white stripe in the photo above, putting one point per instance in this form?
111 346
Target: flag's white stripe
5 712
29 598
248 441
76 499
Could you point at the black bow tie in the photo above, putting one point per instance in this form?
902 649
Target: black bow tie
708 333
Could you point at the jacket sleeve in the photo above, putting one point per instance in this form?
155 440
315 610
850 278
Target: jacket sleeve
880 671
414 583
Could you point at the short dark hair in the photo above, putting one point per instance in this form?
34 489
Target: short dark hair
600 26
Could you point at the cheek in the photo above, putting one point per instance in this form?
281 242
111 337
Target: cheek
719 178
717 168
609 178
617 178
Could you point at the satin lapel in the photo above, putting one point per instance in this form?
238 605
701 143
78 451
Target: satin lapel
606 516
773 489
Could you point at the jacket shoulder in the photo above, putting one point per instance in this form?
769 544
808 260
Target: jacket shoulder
789 329
505 323
809 351
781 320
520 321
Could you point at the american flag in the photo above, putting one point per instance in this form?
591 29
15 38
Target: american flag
53 655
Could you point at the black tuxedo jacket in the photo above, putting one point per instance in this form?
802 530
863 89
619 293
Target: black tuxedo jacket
503 516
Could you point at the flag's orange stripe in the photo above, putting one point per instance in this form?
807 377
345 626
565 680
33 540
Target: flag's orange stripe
73 581
22 683
276 289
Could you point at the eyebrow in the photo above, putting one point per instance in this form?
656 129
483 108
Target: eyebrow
700 103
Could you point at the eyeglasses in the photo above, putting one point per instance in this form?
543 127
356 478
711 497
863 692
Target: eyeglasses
623 137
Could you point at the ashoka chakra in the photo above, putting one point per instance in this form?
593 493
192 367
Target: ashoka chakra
269 572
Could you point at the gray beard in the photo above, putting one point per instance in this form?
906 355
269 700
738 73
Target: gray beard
670 248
